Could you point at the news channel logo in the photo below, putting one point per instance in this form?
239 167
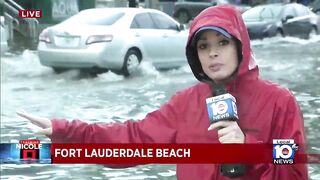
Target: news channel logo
283 151
25 152
222 107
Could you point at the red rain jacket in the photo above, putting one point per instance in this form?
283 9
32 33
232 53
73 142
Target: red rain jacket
266 111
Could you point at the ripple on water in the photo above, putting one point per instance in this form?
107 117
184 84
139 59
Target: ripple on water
18 89
170 173
286 41
11 135
54 172
115 174
134 178
312 172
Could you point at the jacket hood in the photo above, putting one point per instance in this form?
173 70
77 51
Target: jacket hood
228 18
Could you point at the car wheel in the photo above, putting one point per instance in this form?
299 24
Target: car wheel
183 16
313 32
93 72
279 33
131 62
59 70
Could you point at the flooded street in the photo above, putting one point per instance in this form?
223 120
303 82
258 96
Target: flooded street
25 84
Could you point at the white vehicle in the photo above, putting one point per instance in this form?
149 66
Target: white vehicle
4 37
117 39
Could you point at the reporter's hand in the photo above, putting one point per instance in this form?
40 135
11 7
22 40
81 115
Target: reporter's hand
43 123
228 132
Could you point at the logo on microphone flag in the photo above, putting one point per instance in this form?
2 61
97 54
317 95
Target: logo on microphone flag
222 107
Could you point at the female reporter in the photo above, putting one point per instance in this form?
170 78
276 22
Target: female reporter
218 51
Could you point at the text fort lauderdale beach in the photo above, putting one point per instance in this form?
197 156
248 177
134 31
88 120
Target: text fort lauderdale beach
119 152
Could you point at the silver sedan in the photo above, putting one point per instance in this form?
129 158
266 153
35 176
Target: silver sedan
117 39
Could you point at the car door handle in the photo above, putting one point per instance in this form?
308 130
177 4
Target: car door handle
137 35
165 35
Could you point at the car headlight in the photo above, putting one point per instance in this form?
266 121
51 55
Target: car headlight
99 38
44 37
268 26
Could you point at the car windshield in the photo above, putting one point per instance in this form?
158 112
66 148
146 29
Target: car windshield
207 1
94 18
276 10
253 13
256 12
225 2
194 0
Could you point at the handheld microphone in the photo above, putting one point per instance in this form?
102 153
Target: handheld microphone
221 107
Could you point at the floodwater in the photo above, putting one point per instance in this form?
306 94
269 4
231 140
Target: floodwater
25 84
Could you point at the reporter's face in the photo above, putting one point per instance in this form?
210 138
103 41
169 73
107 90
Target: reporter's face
217 55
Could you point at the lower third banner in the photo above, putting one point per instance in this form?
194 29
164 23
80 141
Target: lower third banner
32 151
161 153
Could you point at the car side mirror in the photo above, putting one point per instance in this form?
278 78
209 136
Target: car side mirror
181 27
287 18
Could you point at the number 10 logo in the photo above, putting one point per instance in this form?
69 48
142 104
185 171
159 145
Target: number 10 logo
219 107
283 151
